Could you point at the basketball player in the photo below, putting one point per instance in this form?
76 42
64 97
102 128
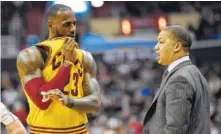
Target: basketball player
11 122
57 63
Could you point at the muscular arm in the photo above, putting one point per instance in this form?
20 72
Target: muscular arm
29 62
91 102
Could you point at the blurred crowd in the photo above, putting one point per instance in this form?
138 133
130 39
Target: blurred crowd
127 92
18 21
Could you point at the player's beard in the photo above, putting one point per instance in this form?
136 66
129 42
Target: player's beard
57 34
73 35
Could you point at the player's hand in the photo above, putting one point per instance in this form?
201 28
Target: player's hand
55 94
49 95
46 95
69 49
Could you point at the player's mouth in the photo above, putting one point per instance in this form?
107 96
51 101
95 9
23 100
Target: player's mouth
72 36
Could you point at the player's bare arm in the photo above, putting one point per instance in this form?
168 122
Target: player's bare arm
16 127
91 101
29 63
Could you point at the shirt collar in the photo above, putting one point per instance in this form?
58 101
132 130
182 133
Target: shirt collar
176 62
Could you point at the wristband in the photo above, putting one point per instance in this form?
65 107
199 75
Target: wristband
70 103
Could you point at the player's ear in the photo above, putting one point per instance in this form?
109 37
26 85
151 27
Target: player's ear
50 24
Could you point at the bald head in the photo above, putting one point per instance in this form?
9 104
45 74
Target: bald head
61 21
52 12
180 34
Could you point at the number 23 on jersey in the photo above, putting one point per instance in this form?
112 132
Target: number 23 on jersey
74 78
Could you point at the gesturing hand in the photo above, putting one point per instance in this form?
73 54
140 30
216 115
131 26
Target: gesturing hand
54 94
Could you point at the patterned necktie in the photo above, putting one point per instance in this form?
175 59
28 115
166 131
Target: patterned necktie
166 72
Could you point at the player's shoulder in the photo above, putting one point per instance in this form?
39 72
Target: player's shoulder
86 55
88 59
28 53
28 61
89 62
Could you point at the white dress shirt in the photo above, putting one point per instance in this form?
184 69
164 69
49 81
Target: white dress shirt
176 62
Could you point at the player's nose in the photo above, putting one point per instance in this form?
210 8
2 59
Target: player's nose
72 29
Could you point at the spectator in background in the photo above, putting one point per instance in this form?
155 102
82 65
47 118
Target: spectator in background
9 93
192 31
20 111
6 17
207 27
114 126
135 125
214 82
97 126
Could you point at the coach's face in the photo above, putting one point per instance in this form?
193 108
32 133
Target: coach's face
165 48
65 24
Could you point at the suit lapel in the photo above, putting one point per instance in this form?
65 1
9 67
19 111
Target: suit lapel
164 80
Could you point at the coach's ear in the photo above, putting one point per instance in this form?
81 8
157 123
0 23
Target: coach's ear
177 47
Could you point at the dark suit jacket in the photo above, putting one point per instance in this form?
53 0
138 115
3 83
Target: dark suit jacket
181 104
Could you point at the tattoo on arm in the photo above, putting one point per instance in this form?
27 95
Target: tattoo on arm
90 73
29 62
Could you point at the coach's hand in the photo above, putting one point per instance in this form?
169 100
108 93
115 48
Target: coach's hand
69 49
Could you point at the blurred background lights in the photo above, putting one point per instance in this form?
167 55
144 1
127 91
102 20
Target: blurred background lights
126 27
97 3
77 6
162 22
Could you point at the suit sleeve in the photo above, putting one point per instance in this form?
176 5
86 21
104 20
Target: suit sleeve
179 99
